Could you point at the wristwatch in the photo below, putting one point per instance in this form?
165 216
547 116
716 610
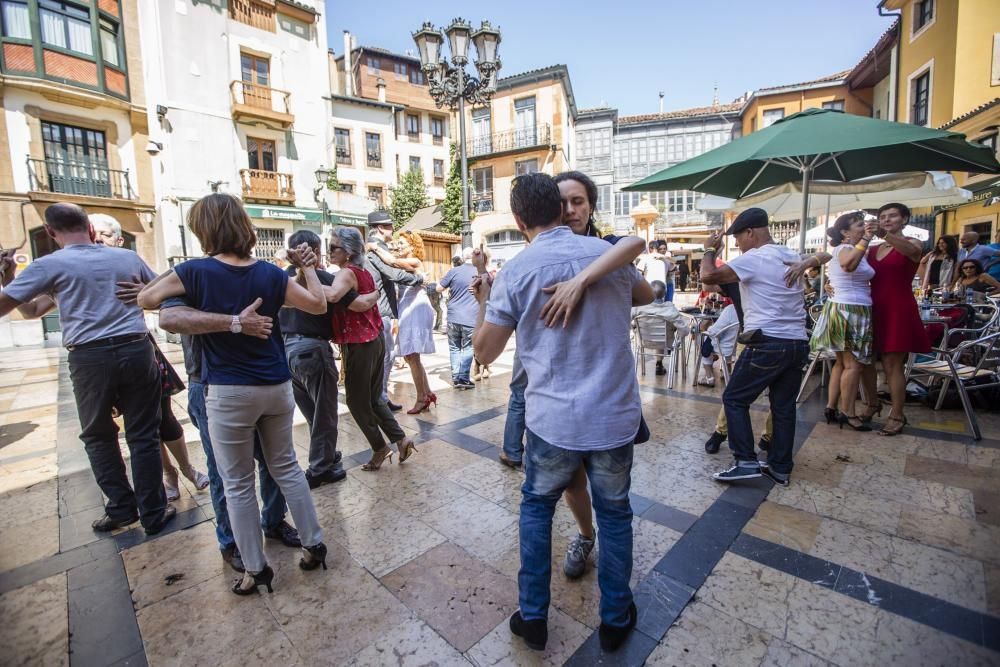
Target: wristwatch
236 327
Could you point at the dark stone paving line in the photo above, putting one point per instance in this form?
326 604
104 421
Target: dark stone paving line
57 564
102 624
970 625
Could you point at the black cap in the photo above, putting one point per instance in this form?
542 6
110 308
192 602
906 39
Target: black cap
379 218
752 217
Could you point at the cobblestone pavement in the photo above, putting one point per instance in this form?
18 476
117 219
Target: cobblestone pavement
883 551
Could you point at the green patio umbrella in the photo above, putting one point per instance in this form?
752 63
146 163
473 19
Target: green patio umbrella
820 144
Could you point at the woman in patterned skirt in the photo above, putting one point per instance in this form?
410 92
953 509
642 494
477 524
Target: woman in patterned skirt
845 327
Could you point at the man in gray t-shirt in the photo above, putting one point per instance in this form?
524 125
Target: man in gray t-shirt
111 360
462 311
582 400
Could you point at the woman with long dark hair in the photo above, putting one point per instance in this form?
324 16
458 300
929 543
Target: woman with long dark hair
938 266
971 276
845 327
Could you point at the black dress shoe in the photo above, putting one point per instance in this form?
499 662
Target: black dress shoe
535 633
338 457
106 524
764 444
284 532
612 636
395 407
232 558
329 477
168 514
713 442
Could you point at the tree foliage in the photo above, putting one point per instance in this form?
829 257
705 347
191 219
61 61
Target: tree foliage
407 198
452 205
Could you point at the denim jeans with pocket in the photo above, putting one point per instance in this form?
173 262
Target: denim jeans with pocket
460 347
776 365
273 512
549 470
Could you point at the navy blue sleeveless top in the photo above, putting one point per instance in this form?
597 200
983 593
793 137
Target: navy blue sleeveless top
216 287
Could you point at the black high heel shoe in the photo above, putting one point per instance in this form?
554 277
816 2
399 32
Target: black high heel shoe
873 411
830 414
846 419
317 557
262 578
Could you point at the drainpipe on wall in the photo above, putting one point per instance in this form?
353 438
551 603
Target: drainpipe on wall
348 66
894 58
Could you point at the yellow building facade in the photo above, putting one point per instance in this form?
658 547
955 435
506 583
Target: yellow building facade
767 105
529 125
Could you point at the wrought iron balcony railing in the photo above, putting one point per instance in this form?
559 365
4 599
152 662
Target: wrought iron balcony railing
482 202
267 185
511 140
78 177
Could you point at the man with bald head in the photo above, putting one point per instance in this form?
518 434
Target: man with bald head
971 249
111 359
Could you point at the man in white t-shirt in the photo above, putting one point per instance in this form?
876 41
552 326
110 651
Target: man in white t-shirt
774 326
651 265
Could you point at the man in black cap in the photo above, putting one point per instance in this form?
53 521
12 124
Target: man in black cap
386 279
775 339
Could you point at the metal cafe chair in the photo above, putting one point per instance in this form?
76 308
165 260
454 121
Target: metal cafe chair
654 336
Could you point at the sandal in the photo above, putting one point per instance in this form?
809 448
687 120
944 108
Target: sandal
378 458
405 447
872 412
894 431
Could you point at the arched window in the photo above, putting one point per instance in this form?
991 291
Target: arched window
505 237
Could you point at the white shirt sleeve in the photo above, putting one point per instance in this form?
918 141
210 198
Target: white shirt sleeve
745 266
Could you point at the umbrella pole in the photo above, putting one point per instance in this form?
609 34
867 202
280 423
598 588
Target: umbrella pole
826 241
806 174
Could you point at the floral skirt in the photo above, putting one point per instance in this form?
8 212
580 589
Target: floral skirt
844 328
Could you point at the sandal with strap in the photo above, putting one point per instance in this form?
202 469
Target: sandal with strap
872 412
902 421
378 458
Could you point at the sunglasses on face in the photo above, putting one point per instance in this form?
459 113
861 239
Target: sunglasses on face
968 267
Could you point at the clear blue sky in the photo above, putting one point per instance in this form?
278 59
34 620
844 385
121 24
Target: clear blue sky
624 53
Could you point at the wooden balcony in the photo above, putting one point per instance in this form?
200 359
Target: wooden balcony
253 103
267 186
258 13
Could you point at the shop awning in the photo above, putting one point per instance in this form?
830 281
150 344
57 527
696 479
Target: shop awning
289 213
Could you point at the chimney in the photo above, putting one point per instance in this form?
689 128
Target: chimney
715 95
348 65
661 101
380 84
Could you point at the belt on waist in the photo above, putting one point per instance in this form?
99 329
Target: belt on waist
309 336
110 341
772 339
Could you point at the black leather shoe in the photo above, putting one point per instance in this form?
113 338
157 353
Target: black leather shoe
764 444
232 558
168 514
612 636
284 532
106 524
534 633
337 458
329 477
713 442
395 407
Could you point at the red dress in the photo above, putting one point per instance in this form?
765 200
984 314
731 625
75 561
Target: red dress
352 327
896 317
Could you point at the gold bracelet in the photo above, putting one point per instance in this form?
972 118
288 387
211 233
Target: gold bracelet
861 246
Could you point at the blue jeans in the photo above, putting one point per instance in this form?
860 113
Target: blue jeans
775 365
549 470
513 429
273 512
460 346
670 289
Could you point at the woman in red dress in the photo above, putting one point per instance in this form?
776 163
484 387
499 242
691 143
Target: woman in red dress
359 335
897 325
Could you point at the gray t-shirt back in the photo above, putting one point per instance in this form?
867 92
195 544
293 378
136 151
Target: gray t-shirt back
582 392
462 306
82 279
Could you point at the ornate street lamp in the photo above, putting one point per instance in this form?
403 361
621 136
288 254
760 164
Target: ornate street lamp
450 85
322 177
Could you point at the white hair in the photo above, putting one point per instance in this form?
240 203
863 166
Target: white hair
105 220
467 255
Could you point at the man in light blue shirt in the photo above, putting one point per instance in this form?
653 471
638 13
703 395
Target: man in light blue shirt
972 250
569 370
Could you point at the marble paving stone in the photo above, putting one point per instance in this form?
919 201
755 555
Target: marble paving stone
987 507
477 525
490 430
410 644
694 640
28 542
501 647
883 483
336 502
972 477
454 593
782 654
992 588
749 591
35 629
384 537
960 536
330 615
174 629
193 553
980 456
784 525
29 504
944 575
856 507
491 480
692 495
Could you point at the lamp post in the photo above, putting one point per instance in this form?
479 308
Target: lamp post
450 85
322 177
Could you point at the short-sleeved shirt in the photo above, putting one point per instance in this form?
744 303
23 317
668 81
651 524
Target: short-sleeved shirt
981 253
654 268
571 370
995 268
82 279
462 306
216 287
295 321
768 304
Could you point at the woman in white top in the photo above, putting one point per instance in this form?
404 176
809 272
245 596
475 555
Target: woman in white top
845 327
